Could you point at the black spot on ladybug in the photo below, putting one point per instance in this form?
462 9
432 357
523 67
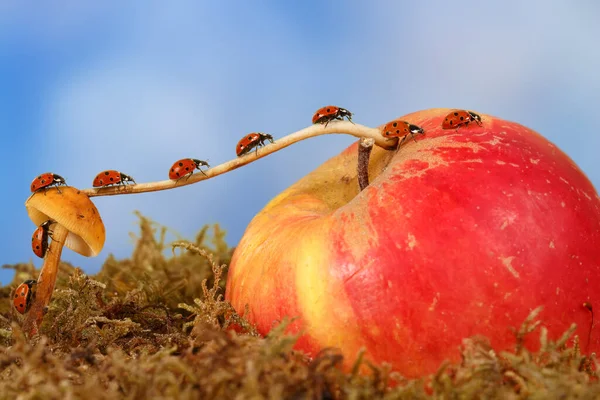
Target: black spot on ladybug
106 172
43 181
180 164
462 118
456 114
395 124
451 122
111 179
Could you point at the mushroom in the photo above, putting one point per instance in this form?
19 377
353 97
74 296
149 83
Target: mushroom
77 225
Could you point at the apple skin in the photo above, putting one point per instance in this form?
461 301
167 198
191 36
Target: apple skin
462 233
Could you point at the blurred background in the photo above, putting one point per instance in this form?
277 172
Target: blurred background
134 86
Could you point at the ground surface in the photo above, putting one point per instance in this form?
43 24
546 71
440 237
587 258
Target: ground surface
155 326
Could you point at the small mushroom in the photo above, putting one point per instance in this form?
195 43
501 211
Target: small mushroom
77 226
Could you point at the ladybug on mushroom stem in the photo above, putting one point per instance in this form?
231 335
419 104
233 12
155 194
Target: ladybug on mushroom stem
39 239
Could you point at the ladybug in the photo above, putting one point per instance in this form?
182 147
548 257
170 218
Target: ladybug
111 177
329 113
458 118
186 167
252 140
47 180
400 128
39 239
23 295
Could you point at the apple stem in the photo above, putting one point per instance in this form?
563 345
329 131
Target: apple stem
45 283
337 127
364 153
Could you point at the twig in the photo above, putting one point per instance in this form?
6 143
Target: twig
341 127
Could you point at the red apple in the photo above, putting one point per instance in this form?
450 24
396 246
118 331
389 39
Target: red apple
464 232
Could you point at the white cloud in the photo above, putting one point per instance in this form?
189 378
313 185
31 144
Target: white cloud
128 117
494 54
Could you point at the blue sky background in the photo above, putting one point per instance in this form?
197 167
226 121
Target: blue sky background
137 85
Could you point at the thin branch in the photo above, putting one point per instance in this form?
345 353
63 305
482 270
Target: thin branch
341 127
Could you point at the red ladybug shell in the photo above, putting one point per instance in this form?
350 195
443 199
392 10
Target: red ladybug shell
458 118
39 239
111 177
22 297
396 128
400 128
252 140
186 166
328 113
46 180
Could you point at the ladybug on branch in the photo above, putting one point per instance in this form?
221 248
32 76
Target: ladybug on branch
325 115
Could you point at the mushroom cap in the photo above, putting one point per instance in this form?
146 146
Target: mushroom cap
75 211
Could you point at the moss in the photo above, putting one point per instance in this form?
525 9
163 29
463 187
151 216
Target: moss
156 326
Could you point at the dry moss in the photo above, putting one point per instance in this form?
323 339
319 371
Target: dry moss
156 326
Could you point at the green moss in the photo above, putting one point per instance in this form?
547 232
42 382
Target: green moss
156 326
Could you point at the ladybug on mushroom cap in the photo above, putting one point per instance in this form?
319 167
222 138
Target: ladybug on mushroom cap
111 177
326 114
47 180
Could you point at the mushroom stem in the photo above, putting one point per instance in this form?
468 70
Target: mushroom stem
342 127
364 153
45 282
